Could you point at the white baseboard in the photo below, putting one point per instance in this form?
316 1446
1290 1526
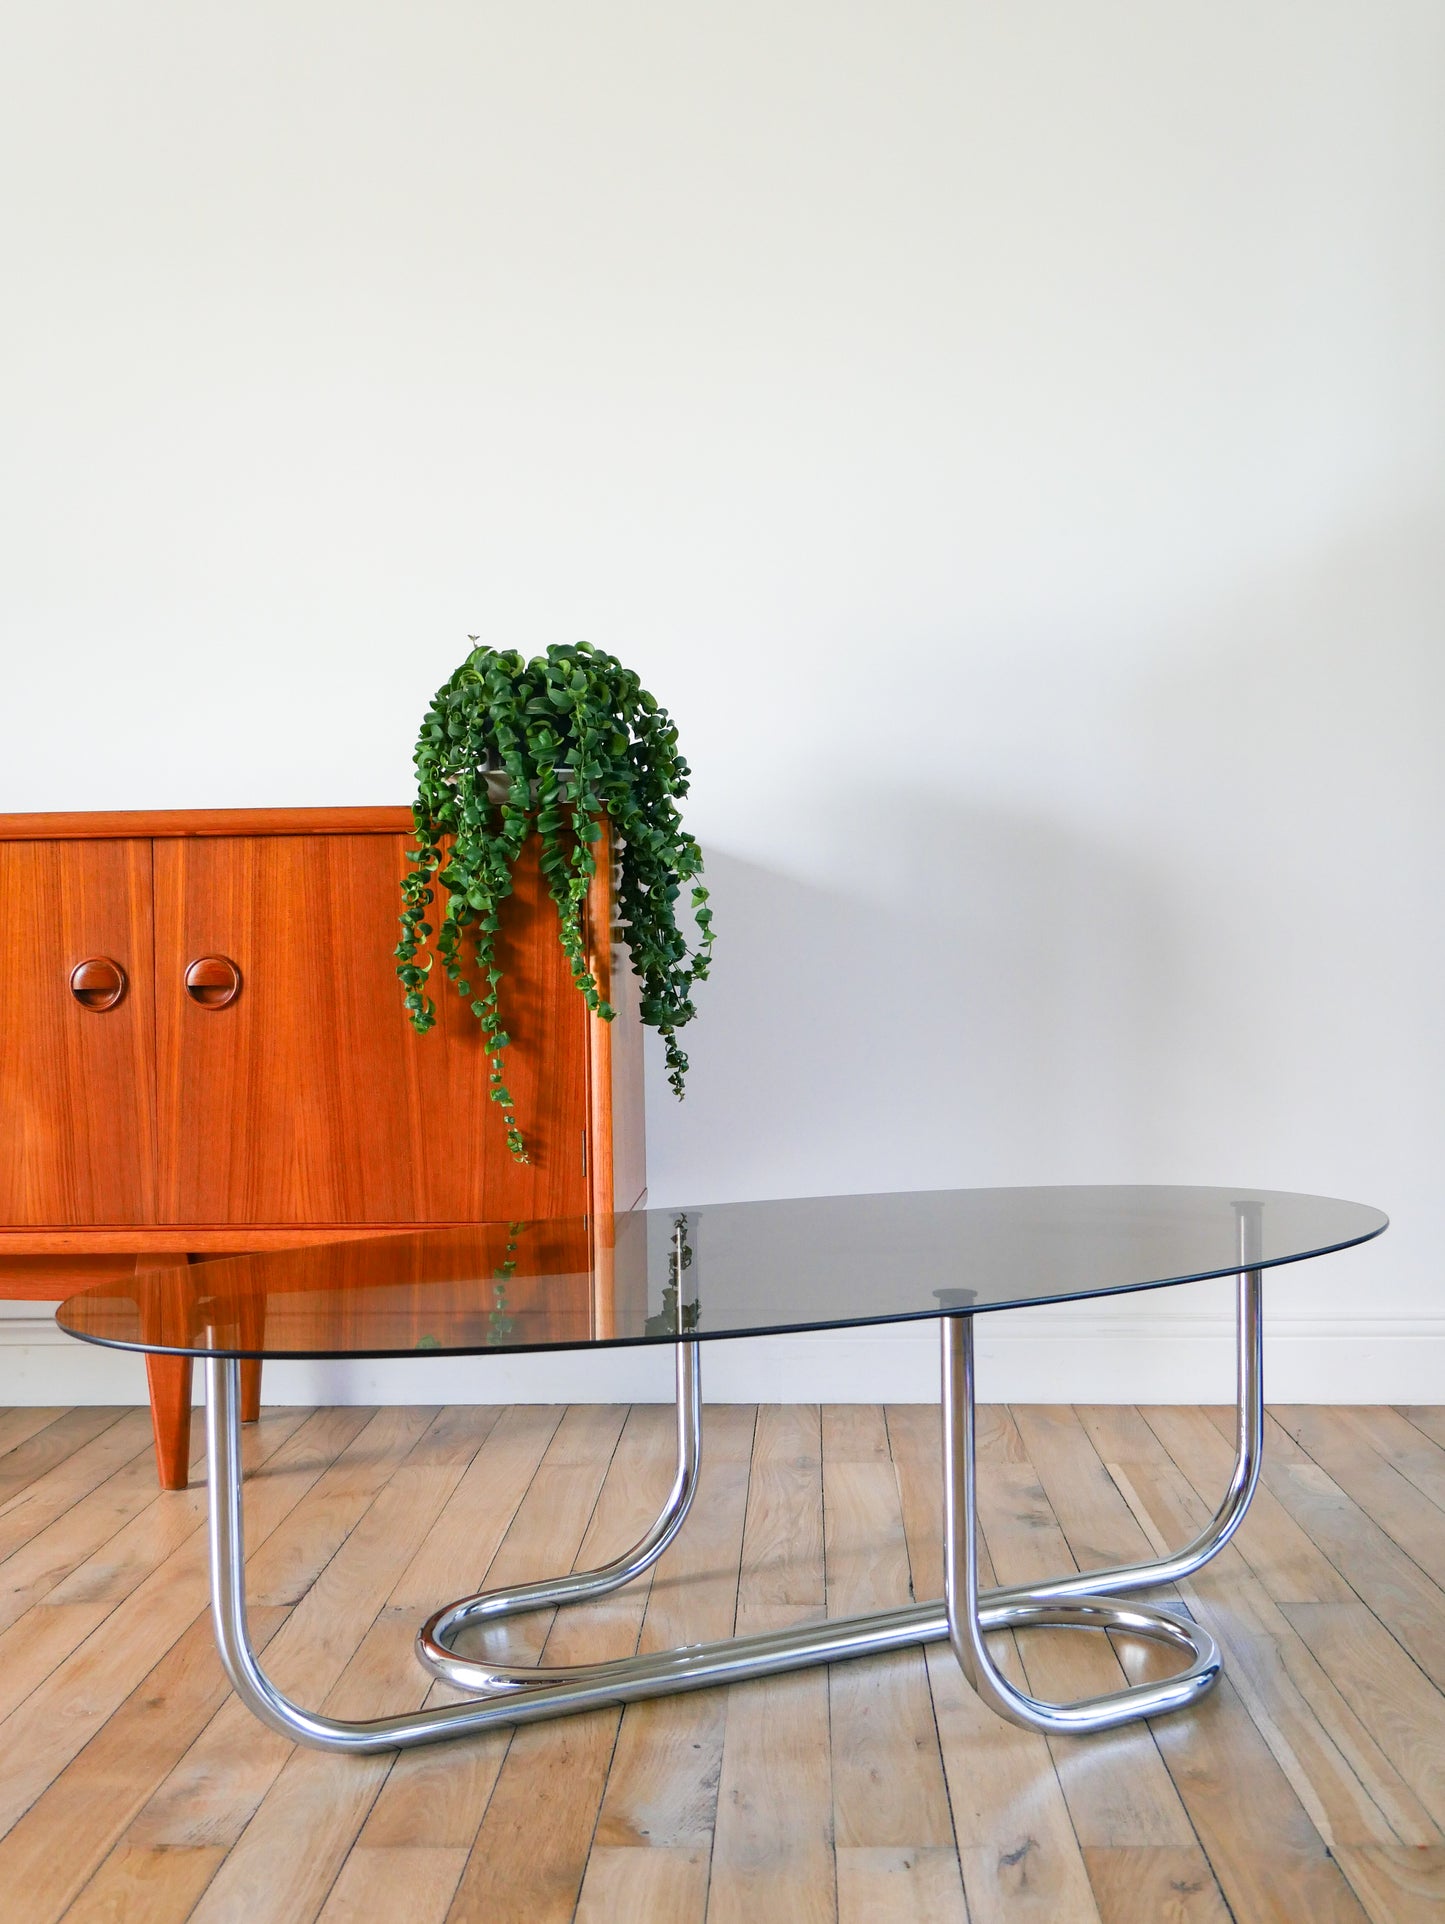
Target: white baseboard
1025 1356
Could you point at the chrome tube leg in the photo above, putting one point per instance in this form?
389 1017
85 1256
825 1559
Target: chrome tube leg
1244 1478
435 1638
228 1574
969 1613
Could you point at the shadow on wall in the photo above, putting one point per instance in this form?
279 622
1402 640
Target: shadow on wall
1225 972
1303 710
983 1002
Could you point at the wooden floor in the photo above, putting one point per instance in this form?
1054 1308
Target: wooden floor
1310 1786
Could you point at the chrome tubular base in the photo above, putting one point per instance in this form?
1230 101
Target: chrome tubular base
508 1694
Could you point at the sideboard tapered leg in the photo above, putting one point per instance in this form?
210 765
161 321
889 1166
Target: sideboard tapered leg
160 1280
170 1387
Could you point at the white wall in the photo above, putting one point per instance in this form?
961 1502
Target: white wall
1010 439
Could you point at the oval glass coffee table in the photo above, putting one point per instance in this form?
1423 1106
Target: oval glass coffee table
683 1277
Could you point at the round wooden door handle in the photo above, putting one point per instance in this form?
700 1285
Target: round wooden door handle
97 983
212 981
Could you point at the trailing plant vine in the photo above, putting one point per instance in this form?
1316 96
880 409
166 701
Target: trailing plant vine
675 1316
499 1323
511 748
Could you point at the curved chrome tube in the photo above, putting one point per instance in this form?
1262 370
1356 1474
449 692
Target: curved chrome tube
255 1688
516 1694
434 1639
970 1614
1243 1480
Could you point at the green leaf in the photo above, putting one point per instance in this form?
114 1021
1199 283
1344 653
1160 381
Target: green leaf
577 736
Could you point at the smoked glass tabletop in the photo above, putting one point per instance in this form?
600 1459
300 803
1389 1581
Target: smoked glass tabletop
718 1270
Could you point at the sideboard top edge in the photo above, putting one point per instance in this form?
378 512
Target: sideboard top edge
125 823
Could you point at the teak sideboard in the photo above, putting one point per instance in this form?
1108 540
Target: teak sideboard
203 1051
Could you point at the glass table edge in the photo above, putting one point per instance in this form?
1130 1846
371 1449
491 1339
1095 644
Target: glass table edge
671 1340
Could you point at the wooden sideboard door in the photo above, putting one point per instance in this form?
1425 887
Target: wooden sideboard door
77 1087
306 1097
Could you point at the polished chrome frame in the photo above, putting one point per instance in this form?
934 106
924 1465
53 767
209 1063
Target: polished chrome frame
515 1694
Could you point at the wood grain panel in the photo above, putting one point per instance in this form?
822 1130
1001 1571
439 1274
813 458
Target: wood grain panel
50 1279
94 1245
143 823
76 1084
310 1098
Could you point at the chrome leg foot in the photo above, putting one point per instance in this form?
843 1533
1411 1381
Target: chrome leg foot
970 1614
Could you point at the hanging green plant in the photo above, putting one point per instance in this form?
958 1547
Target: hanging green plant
511 748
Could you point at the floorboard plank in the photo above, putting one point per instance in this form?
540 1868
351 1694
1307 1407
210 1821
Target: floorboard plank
57 1554
1261 1845
1412 1521
438 1796
413 1882
17 1426
1418 1458
1352 1791
111 1655
1407 1601
662 1789
1428 1419
38 1505
530 1854
1154 1884
137 1886
888 1784
93 1800
22 1467
1402 1710
1397 1885
95 1795
661 1885
774 1840
896 1884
